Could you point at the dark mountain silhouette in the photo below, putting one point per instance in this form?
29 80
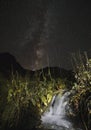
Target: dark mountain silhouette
56 72
8 64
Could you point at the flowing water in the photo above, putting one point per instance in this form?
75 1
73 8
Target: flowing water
56 116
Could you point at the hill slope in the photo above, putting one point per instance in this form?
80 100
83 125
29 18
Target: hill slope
8 64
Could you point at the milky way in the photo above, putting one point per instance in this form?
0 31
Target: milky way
42 33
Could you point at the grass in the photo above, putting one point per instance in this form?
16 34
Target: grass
24 99
81 99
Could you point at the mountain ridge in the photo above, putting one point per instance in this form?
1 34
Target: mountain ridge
9 64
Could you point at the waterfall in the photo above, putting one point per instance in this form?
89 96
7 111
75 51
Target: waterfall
56 115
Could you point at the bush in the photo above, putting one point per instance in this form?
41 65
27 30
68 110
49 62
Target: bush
19 111
26 99
81 99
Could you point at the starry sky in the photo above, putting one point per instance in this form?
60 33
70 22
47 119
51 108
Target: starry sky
42 33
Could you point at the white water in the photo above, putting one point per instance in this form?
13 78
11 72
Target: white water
56 116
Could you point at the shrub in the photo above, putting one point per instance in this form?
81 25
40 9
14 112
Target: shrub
26 99
19 111
81 99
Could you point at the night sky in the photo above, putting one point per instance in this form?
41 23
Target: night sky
42 33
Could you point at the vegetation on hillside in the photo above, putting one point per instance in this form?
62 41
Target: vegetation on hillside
81 99
24 98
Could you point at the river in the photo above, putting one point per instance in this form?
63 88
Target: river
55 118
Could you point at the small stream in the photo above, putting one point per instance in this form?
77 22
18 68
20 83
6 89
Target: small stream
55 117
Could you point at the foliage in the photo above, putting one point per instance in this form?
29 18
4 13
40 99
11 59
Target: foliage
43 90
3 95
81 99
26 99
19 110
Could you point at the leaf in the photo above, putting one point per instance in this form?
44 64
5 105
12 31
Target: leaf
49 97
44 100
33 101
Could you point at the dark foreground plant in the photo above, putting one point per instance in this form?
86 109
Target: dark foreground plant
81 99
19 112
26 99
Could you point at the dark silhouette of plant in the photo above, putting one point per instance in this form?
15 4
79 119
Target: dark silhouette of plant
81 99
19 112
